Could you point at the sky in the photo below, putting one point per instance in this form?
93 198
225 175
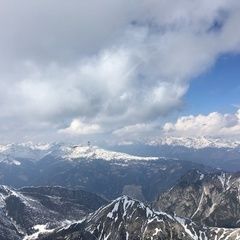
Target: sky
119 70
217 89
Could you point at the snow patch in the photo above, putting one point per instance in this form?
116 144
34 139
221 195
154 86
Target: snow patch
93 152
40 229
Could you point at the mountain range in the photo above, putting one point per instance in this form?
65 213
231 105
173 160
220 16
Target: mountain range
126 218
93 169
195 142
214 152
64 191
58 213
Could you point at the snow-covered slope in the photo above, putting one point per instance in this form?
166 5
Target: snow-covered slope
93 152
11 153
197 142
9 160
24 209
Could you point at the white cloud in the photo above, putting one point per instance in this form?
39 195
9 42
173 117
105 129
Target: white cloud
214 125
77 127
135 132
112 63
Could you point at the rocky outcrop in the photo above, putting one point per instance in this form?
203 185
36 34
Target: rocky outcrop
212 199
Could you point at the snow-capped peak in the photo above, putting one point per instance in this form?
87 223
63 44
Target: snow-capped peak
13 153
196 143
4 148
93 152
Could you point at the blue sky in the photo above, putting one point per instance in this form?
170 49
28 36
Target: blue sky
216 90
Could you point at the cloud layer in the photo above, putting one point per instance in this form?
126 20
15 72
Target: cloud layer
80 66
214 125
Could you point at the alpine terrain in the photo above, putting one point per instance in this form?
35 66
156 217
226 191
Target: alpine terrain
212 199
125 218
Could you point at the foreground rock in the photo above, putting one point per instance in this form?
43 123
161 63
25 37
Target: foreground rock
126 218
21 210
212 199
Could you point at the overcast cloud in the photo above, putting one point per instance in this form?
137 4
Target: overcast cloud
96 67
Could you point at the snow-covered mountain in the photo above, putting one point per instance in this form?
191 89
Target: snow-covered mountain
9 160
24 209
126 218
108 173
215 152
13 153
195 142
45 213
94 152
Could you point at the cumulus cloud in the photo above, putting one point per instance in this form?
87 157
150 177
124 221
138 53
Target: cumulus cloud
214 125
112 63
81 128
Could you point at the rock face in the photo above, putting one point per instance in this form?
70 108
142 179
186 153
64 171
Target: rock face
212 199
126 218
21 210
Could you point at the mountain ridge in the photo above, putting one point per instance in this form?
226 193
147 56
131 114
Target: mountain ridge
126 218
22 209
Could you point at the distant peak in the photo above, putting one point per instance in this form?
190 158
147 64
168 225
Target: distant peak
195 142
94 152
